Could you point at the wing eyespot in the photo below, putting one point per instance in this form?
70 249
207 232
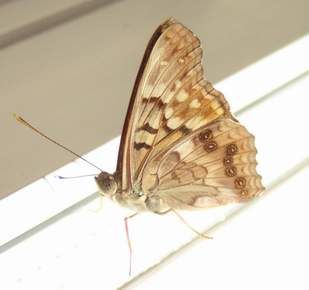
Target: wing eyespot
231 149
205 136
228 160
211 146
231 171
240 182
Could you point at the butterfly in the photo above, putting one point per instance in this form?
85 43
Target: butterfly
181 147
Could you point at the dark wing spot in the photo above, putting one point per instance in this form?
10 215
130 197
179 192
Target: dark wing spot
231 149
205 136
149 129
167 129
152 100
139 146
240 182
231 171
244 192
228 160
211 146
183 129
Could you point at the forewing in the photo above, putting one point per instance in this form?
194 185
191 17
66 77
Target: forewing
213 166
170 99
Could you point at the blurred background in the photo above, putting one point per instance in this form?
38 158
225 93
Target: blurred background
69 66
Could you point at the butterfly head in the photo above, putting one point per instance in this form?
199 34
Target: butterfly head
106 183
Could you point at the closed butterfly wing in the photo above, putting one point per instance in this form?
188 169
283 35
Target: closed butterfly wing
212 166
170 99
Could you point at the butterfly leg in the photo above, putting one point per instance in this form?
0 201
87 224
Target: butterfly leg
189 226
128 239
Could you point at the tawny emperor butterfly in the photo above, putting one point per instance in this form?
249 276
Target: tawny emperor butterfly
180 148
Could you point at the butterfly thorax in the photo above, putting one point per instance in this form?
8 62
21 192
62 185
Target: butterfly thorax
133 198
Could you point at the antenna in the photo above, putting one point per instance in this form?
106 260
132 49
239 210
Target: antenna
25 123
71 177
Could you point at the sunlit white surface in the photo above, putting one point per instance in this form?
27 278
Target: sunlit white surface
88 250
264 247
